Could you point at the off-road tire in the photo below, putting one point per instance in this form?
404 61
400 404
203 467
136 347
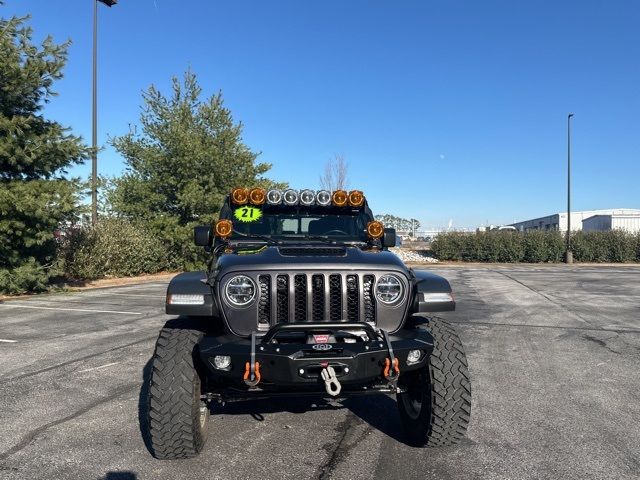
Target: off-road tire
435 410
177 418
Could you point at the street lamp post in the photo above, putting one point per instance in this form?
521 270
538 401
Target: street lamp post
94 126
568 258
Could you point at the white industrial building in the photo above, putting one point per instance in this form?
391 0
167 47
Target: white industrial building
599 223
558 221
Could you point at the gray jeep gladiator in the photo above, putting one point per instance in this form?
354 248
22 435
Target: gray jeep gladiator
302 297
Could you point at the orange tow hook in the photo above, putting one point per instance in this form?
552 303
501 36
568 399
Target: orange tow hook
247 373
387 368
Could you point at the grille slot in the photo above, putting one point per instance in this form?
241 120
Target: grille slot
282 298
335 297
264 305
352 298
369 299
300 295
317 297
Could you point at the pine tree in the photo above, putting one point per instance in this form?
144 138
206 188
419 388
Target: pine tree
35 195
188 155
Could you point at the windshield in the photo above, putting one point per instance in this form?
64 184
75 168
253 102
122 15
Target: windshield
297 223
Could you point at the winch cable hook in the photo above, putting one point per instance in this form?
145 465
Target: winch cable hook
331 382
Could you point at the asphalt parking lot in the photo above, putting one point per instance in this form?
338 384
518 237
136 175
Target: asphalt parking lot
554 354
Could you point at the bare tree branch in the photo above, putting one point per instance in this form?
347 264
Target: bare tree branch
335 176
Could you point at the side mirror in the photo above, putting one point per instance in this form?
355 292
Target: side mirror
389 237
202 235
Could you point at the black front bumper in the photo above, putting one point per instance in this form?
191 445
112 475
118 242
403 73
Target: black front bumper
290 365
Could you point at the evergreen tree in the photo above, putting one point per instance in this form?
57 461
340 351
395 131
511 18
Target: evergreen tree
187 156
35 196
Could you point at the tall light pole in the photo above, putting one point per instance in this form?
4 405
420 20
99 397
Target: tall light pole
568 257
94 126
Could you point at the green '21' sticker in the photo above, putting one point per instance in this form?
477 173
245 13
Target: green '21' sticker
247 214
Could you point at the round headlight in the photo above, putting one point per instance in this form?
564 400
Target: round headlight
240 290
388 289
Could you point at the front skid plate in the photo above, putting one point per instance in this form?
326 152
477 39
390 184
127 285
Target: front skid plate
297 366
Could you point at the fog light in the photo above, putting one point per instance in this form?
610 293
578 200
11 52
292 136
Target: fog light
222 362
413 357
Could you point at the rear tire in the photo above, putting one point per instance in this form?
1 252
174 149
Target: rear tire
436 407
177 417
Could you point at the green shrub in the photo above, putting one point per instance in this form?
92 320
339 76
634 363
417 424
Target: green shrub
555 245
622 246
536 246
115 247
612 246
30 276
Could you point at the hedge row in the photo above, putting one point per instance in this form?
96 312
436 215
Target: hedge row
114 248
536 246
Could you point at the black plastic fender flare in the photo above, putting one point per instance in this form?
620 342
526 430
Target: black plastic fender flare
190 283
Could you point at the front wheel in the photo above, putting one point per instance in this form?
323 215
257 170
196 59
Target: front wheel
177 417
436 406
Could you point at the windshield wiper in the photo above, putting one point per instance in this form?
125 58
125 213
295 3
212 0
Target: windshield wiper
266 238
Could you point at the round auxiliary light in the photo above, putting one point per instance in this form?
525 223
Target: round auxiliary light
291 197
339 198
224 228
240 290
388 289
257 196
307 197
240 196
356 198
274 197
323 198
375 229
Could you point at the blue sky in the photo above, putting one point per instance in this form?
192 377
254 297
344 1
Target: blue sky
443 109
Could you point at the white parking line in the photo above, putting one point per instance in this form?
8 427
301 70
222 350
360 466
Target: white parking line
2 340
155 295
14 305
100 367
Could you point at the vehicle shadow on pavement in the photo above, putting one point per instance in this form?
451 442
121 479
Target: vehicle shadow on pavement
258 408
380 412
119 476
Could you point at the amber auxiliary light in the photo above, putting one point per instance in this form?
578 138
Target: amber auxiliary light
375 229
257 196
339 198
224 228
240 196
356 198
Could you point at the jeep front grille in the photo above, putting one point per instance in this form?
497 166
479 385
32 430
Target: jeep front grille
316 297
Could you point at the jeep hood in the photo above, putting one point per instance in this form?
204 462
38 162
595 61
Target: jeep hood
321 257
